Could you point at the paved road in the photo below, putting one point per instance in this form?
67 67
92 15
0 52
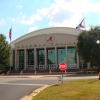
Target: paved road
16 88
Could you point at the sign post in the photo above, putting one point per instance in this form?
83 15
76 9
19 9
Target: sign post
62 67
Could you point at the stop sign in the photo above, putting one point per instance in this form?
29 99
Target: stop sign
62 66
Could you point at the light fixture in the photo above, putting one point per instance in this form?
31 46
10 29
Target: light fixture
98 41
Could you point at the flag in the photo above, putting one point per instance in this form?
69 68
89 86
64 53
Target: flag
81 25
10 33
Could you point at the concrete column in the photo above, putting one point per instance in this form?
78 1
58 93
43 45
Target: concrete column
88 65
11 59
35 58
66 56
77 61
25 59
16 59
66 59
56 57
45 53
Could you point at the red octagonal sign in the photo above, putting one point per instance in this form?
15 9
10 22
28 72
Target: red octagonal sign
62 66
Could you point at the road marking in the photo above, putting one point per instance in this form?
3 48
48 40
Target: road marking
23 84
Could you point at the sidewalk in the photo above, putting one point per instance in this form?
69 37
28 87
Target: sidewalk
34 93
49 75
21 76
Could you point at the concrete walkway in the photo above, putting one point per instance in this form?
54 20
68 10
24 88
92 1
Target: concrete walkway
34 93
27 76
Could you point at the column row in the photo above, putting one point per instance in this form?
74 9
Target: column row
46 58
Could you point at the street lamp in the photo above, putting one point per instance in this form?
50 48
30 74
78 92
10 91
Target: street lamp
98 42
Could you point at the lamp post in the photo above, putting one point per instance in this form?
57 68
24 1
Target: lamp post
98 42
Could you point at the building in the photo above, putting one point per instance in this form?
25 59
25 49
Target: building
45 49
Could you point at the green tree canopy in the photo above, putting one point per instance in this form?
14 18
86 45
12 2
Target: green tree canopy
4 51
87 46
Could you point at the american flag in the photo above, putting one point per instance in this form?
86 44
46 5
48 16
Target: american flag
10 33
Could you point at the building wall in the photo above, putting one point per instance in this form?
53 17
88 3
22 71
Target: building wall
41 40
45 38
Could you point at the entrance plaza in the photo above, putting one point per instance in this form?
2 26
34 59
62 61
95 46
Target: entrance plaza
45 49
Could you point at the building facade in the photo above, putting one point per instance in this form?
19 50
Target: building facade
45 49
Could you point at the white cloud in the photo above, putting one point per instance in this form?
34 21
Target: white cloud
19 6
23 20
31 20
2 21
88 28
69 12
20 13
32 29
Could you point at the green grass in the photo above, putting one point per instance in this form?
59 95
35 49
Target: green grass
88 89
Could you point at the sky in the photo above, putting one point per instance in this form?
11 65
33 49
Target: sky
25 16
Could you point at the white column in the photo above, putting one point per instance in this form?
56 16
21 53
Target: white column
66 56
16 59
24 59
88 65
35 58
77 60
11 59
45 54
56 57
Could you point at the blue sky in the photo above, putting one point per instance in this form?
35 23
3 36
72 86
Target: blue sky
28 15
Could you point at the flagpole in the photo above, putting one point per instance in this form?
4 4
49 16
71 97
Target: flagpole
84 24
10 54
11 48
84 20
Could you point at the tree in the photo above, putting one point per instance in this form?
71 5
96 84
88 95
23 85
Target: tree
4 51
87 46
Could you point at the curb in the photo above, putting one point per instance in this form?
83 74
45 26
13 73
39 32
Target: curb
34 93
21 76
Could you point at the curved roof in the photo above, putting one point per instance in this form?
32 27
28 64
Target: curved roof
52 30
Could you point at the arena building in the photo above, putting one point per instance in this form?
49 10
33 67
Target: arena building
45 49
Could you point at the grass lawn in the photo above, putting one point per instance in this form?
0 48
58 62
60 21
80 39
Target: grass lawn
88 89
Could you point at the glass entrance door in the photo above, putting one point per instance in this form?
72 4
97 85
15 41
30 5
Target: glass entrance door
61 55
72 58
51 59
31 59
21 59
40 59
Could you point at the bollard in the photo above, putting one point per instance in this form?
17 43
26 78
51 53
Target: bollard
21 72
35 72
50 72
8 73
65 72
